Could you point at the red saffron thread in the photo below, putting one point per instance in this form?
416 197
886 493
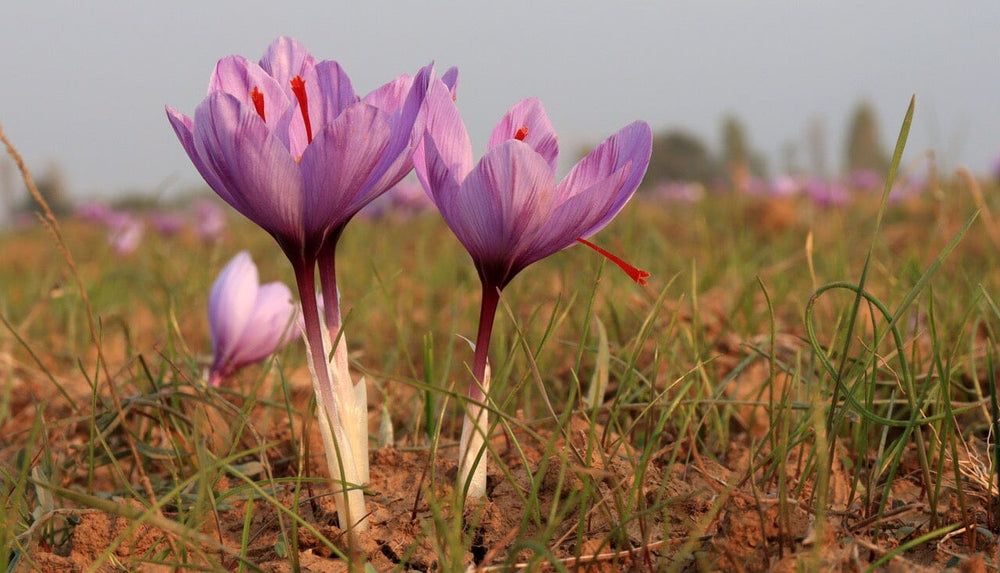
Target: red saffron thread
521 133
299 89
636 274
257 97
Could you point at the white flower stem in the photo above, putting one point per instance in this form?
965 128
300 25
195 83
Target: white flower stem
354 410
472 455
339 455
353 398
472 447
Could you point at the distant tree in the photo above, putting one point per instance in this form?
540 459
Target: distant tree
740 161
863 151
680 156
816 147
51 185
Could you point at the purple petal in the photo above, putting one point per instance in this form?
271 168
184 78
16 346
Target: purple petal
391 96
336 92
255 173
184 128
506 198
443 157
579 216
286 58
450 79
269 327
238 77
338 162
631 147
529 113
408 125
230 304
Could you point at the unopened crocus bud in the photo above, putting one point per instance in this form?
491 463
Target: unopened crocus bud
248 321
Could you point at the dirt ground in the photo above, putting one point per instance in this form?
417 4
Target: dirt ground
700 514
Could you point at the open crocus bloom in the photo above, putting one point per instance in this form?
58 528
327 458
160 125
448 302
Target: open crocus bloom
508 210
289 145
248 321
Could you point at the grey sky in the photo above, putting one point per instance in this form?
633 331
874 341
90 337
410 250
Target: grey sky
84 83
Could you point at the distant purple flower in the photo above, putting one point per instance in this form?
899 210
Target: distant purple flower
166 224
757 187
406 199
996 169
864 180
210 221
826 193
124 232
248 321
905 188
509 211
678 191
785 186
93 211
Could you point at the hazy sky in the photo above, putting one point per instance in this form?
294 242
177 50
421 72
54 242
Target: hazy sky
84 83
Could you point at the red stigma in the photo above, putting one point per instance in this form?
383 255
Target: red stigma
638 275
521 133
299 89
257 97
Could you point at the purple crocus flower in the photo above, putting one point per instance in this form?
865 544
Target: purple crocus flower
826 193
287 143
248 321
125 232
93 211
166 223
509 211
210 221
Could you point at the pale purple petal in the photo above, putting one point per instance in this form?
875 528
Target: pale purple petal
270 326
237 76
444 157
391 96
529 114
450 79
407 124
230 305
579 216
184 128
504 200
338 162
337 92
633 143
254 169
630 147
286 58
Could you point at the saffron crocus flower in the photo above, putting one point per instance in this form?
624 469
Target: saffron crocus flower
287 143
210 222
166 223
248 321
125 232
509 211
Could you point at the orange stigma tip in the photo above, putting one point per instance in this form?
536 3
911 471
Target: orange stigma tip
521 133
257 97
299 89
636 274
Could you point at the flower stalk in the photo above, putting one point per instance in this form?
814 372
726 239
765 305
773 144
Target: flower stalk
352 397
340 455
475 426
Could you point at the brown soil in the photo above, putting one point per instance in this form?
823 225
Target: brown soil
708 516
